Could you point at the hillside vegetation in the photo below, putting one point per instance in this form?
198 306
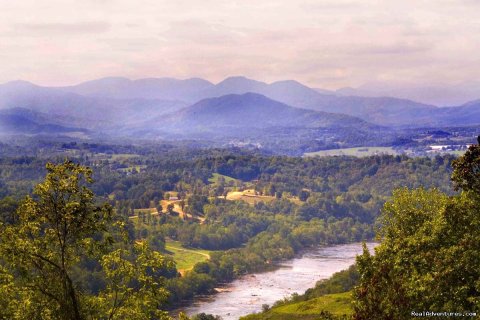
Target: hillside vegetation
312 201
427 260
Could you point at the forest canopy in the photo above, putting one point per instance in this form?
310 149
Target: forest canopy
429 256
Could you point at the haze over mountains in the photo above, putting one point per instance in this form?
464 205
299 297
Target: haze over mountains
235 113
196 107
440 95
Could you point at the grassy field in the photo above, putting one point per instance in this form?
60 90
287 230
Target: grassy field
251 198
248 196
122 156
136 168
337 304
185 258
357 152
215 177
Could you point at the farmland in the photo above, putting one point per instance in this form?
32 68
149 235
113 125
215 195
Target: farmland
356 152
185 258
217 178
251 197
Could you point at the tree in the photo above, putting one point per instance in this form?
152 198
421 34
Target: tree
170 208
55 230
303 195
135 288
466 175
429 252
54 227
8 206
204 316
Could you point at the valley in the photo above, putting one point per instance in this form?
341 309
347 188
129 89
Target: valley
220 215
239 160
283 117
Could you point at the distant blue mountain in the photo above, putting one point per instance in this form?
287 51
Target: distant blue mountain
240 113
149 88
439 95
23 121
72 109
112 104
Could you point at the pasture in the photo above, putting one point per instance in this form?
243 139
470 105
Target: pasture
355 152
185 258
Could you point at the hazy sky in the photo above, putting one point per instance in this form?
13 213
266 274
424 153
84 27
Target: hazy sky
329 44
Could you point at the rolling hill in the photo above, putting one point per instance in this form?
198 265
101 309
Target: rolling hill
382 111
385 111
236 106
71 109
439 95
20 121
250 110
149 88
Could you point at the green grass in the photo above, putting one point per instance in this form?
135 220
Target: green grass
338 304
120 156
215 177
357 152
136 168
185 258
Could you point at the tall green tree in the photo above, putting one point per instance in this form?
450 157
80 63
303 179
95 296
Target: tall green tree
429 256
466 175
41 252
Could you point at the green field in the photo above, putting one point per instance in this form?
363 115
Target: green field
123 156
338 304
185 258
356 152
215 177
136 168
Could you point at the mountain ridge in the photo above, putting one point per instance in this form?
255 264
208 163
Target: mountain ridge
98 104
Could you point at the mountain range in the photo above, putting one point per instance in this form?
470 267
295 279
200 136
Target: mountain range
440 95
188 108
239 112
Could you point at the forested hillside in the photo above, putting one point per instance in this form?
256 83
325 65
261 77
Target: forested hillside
425 266
245 211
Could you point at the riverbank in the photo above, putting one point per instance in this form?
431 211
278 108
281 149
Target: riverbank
247 294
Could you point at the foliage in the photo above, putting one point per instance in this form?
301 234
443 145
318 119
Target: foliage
327 307
54 232
429 255
466 175
340 199
135 289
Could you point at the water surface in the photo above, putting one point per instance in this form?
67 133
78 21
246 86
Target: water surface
247 294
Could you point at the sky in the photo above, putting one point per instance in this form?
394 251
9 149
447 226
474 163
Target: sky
322 43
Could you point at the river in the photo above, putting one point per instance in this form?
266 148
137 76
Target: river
247 294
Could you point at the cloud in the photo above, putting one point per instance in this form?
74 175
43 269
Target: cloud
329 6
391 49
202 33
324 43
84 27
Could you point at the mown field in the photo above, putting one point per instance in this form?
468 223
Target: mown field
338 304
357 152
249 196
185 258
216 177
